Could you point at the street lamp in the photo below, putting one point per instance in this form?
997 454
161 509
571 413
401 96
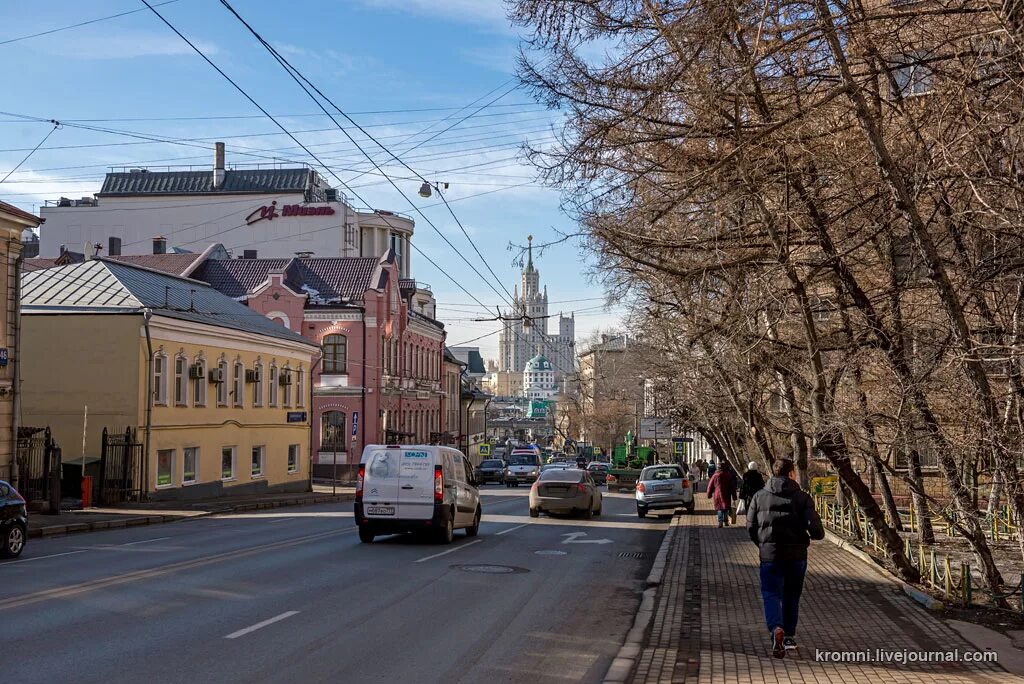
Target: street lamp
427 188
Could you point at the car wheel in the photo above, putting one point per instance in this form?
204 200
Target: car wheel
588 512
534 512
366 535
474 529
600 505
447 533
13 542
641 512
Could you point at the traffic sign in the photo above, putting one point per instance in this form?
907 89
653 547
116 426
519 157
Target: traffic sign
485 449
355 422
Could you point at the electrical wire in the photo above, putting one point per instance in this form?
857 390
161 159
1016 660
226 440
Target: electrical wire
56 125
81 23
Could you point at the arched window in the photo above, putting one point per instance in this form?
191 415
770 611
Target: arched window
199 382
180 380
257 385
272 379
332 431
238 384
335 354
160 378
222 383
286 385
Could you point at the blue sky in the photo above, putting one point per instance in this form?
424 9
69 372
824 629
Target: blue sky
403 65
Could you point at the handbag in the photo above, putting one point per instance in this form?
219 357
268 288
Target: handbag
741 507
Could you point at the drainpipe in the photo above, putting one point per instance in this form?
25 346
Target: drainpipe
16 382
146 316
362 425
312 412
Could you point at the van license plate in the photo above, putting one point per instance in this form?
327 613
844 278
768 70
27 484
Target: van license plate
380 510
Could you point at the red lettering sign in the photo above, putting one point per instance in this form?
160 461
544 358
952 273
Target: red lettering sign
269 212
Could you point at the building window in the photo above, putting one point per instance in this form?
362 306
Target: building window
190 456
300 387
335 354
199 383
180 381
160 379
258 452
286 385
293 458
222 385
911 75
396 244
272 379
332 431
227 463
257 385
165 468
238 384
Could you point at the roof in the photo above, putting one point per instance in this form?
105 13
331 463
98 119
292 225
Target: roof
538 363
327 280
14 211
201 182
103 286
472 358
37 263
406 287
174 264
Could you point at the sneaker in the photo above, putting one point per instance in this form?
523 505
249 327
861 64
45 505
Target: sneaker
778 645
789 642
719 524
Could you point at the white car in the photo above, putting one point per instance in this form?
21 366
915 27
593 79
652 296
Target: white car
663 487
403 488
523 467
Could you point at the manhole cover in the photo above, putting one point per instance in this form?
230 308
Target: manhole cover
634 554
550 552
490 569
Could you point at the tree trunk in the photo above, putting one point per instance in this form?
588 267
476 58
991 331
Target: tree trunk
925 531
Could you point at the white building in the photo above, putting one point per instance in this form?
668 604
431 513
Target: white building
539 379
265 212
521 339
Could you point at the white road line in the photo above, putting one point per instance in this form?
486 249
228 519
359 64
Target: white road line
281 520
445 553
512 529
29 560
145 541
261 625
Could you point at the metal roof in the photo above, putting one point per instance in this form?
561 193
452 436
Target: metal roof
326 280
103 286
201 182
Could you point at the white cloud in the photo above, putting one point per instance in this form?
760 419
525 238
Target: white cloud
125 45
489 13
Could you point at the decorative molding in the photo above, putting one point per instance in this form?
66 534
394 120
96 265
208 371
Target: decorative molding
371 321
279 314
333 317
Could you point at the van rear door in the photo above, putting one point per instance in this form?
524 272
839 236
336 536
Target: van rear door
416 483
380 483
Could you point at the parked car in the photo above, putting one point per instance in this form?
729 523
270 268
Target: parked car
598 472
403 488
491 470
663 487
557 465
523 466
13 521
565 490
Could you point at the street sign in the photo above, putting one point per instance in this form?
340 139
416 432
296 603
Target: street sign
679 447
825 486
655 428
485 449
355 423
296 416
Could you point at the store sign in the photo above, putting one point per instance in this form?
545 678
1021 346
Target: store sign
296 416
270 212
3 356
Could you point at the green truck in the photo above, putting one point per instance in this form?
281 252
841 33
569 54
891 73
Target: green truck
627 462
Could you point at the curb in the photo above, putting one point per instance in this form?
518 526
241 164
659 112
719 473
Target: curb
625 660
910 590
73 528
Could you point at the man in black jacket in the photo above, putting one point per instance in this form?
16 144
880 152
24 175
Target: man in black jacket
782 521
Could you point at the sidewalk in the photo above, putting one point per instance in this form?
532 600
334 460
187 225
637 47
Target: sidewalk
708 624
151 513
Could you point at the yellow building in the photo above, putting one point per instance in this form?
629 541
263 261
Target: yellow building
214 397
13 222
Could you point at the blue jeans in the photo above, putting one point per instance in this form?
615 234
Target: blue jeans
722 516
781 585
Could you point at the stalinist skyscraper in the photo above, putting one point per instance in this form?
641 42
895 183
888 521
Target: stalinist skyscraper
520 340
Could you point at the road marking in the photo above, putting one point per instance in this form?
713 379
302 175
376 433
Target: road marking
272 522
261 625
29 560
145 541
445 553
512 529
574 538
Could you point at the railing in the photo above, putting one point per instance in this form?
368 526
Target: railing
952 578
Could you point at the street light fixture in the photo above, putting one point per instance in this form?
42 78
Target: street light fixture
427 188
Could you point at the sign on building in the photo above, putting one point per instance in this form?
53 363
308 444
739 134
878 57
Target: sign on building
655 428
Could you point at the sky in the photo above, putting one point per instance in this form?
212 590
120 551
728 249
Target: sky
433 80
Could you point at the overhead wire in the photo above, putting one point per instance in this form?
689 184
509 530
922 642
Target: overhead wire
79 24
56 125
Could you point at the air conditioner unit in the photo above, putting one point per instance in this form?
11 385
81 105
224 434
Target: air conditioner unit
253 375
284 379
217 375
195 371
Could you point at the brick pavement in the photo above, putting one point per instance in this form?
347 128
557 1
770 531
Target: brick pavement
708 622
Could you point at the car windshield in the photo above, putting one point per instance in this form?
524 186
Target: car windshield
491 464
665 473
597 466
562 475
522 459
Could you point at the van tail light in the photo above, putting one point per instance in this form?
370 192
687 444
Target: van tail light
359 482
438 484
640 487
685 484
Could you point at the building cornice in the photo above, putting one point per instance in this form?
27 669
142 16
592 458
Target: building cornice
188 332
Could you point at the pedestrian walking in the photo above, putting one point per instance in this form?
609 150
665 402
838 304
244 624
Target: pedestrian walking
752 483
722 492
782 521
711 469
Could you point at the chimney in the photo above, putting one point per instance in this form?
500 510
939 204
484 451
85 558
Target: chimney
304 255
248 253
113 246
218 165
63 248
159 245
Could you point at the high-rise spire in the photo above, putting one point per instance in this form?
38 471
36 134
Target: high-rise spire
529 250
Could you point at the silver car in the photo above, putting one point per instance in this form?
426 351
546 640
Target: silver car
663 487
565 490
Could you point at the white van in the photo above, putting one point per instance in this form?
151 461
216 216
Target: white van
405 488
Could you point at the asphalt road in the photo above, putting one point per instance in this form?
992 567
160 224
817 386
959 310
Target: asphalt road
292 596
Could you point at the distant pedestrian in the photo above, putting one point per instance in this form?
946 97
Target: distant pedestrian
722 492
782 521
702 468
711 469
752 483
